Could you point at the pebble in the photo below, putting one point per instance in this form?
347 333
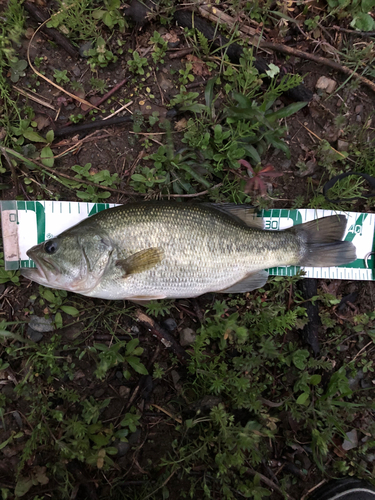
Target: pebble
124 391
8 391
34 335
18 419
354 381
76 70
169 324
122 448
85 47
187 336
342 145
41 324
119 374
351 440
326 84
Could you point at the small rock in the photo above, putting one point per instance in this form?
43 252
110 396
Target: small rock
122 448
343 348
134 437
72 332
366 384
134 329
370 457
169 324
175 377
8 391
359 108
34 335
99 393
326 84
187 336
18 419
76 70
285 165
119 374
164 83
342 145
124 391
351 440
311 166
84 48
42 324
355 381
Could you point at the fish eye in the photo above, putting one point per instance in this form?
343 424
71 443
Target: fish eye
50 246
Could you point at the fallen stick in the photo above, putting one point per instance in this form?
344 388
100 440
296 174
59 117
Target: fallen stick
40 16
278 47
166 338
103 99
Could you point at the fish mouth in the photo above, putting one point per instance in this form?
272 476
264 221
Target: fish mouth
45 272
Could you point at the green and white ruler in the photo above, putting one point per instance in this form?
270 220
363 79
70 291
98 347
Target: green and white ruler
27 223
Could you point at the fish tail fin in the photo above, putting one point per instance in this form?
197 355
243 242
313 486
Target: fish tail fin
322 242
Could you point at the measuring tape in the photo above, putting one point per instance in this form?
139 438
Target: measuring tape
27 223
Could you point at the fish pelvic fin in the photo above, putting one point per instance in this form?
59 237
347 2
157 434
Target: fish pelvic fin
249 283
322 242
141 261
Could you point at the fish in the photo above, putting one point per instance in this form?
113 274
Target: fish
157 250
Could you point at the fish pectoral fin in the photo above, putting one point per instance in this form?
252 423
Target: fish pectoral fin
141 261
249 283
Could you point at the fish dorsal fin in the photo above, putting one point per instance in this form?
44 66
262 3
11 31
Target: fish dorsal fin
141 261
243 213
249 283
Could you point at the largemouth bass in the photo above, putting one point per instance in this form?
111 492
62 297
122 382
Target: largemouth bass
156 250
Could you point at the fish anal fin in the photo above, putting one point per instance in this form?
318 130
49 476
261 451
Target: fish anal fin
249 283
244 213
141 261
144 300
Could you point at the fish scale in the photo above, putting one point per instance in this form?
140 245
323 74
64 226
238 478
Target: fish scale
155 250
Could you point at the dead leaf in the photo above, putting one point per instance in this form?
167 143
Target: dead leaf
171 37
42 121
93 100
199 67
180 125
63 101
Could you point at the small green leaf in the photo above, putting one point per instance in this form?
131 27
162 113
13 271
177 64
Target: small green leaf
137 365
23 485
315 379
50 136
46 157
48 295
286 111
139 178
302 398
72 311
33 136
300 358
58 320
